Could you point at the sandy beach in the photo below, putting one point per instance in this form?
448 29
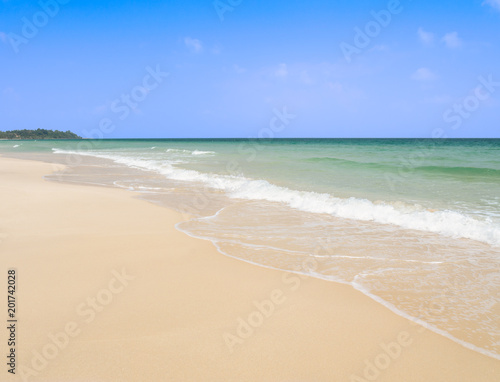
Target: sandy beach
109 290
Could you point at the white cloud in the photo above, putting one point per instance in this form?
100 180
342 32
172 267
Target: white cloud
426 38
216 49
305 78
423 74
238 69
452 40
3 37
282 71
193 44
379 48
101 109
10 94
342 94
439 99
493 3
337 87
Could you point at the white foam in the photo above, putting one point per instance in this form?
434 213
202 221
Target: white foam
419 321
177 151
198 152
356 285
189 152
378 259
447 222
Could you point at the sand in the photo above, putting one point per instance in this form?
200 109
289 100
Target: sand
109 290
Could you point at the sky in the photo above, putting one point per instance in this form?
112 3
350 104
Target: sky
251 68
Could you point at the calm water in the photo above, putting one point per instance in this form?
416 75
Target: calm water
414 224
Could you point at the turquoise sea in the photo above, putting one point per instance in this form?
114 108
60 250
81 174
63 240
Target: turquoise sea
413 223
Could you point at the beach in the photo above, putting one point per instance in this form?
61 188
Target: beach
110 290
412 224
250 191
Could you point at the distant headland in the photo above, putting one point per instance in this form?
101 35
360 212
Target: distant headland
38 134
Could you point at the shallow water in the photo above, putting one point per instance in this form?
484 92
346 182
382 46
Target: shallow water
414 224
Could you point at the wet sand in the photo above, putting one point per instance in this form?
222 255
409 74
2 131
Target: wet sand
109 290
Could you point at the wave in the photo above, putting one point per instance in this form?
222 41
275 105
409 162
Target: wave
461 171
448 170
356 284
449 223
341 161
194 152
197 152
177 151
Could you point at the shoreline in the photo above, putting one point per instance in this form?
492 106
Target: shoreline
219 290
417 321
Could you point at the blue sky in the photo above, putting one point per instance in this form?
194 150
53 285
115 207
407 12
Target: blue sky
337 68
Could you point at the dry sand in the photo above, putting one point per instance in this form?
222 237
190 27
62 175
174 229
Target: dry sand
178 318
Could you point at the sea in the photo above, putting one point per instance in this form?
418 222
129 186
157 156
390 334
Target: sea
412 223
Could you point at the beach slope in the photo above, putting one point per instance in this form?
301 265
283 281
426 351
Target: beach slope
109 290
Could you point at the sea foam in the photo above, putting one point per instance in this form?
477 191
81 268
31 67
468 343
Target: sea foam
446 222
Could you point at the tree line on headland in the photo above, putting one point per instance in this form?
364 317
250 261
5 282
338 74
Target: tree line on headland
38 134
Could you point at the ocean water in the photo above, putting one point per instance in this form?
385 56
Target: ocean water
414 224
